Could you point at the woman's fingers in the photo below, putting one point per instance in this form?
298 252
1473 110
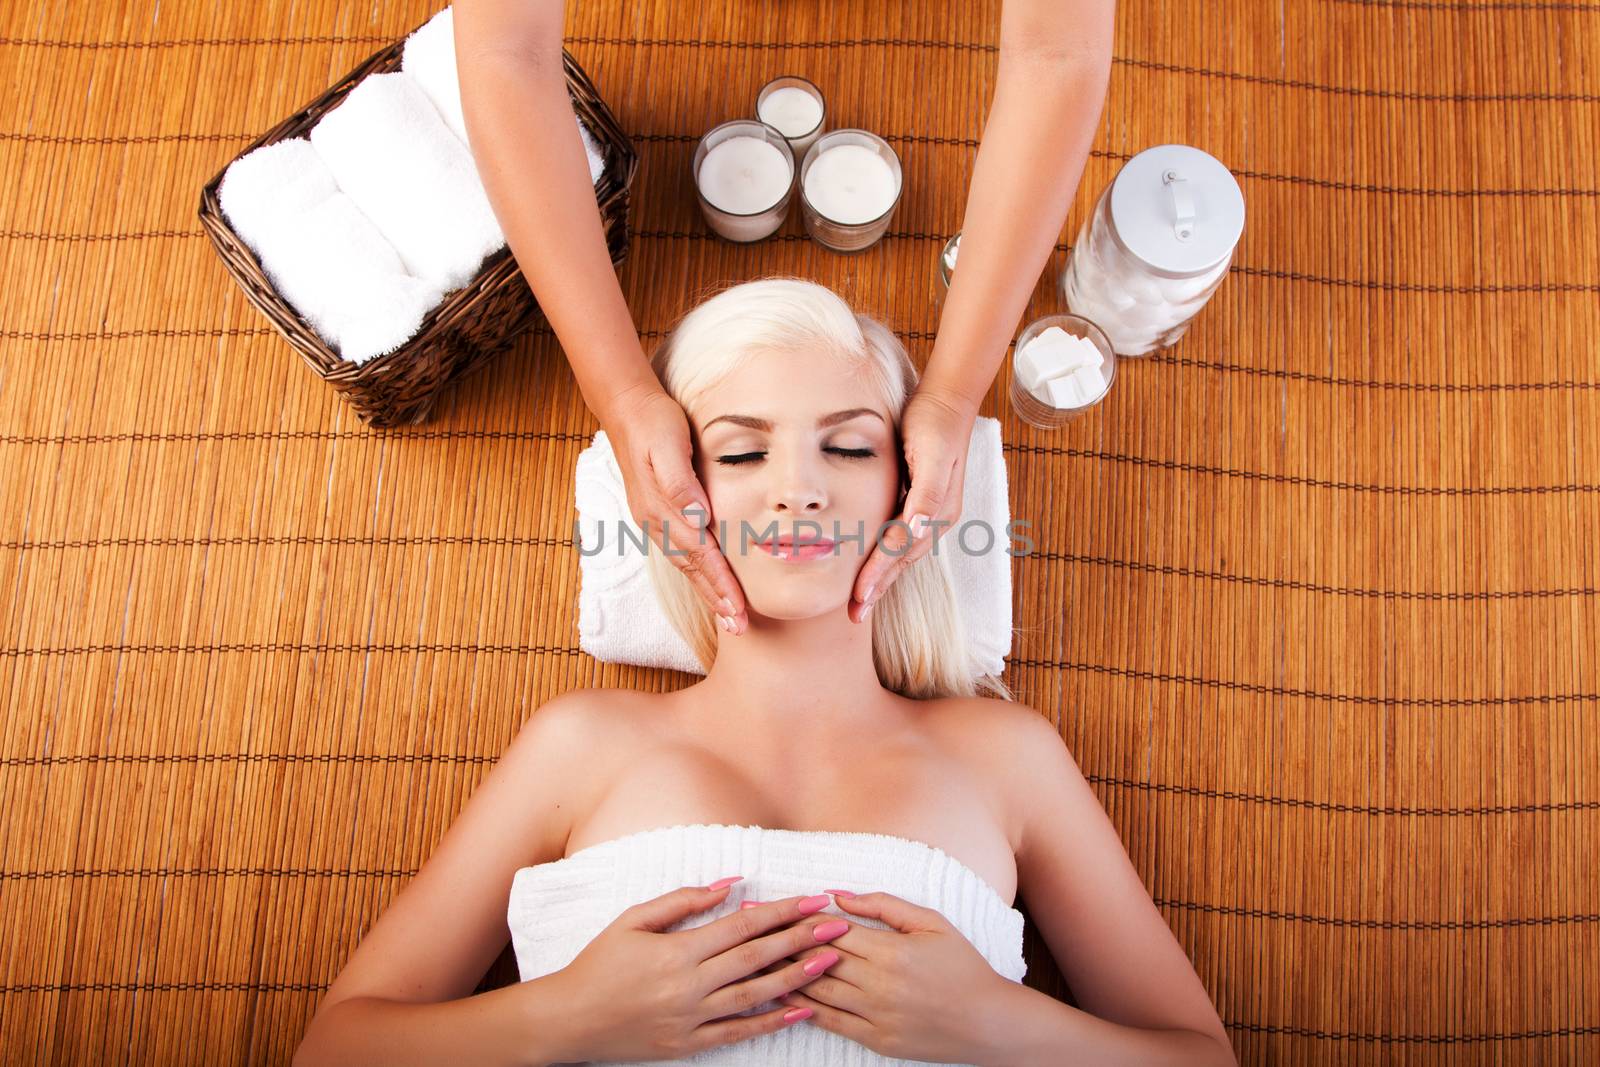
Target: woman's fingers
682 511
935 435
743 1027
760 988
835 1020
892 553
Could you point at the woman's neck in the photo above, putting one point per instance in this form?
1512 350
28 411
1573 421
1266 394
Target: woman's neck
786 673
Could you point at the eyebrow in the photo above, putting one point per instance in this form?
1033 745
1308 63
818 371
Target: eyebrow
825 421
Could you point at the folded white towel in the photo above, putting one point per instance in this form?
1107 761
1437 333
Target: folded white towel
620 620
321 254
391 152
430 58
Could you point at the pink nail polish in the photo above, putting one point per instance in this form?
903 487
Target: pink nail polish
820 962
829 930
811 905
839 892
743 904
724 882
794 1015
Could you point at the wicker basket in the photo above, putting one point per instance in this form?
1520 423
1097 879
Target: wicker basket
474 323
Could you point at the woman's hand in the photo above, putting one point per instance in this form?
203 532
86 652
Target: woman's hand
637 993
936 435
919 991
650 435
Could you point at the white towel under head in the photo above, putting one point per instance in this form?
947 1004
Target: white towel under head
320 252
430 57
621 621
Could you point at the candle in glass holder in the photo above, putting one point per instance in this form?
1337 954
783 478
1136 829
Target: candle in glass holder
850 184
795 108
744 174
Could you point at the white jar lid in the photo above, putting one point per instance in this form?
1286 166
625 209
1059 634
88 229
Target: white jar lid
1177 210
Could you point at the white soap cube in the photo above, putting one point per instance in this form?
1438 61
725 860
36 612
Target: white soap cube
1074 390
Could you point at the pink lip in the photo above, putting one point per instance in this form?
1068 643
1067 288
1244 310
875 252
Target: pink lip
790 551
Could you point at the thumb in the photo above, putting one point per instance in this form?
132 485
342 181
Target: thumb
668 908
896 911
677 482
923 503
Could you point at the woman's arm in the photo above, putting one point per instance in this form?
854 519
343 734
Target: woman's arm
530 156
1055 64
404 996
1142 1002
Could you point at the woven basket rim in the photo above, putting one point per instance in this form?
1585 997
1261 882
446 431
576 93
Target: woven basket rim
612 190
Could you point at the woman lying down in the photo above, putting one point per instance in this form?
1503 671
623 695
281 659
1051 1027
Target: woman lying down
810 856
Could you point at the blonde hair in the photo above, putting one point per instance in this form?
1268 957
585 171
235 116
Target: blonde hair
919 643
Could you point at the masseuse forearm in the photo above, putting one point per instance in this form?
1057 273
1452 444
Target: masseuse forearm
529 154
1030 160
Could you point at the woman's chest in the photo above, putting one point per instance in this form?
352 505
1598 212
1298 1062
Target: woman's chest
916 789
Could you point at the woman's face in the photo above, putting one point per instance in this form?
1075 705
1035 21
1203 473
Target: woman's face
797 447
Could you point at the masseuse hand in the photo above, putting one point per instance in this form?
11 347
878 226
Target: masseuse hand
650 435
638 993
935 435
918 991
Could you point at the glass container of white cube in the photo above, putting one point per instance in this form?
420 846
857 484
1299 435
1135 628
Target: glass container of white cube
1061 366
1156 246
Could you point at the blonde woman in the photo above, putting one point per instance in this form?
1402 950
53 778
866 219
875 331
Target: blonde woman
1050 82
811 855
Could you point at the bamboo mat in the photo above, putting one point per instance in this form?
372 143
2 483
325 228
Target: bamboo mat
1315 597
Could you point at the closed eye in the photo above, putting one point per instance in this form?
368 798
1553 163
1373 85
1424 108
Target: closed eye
751 457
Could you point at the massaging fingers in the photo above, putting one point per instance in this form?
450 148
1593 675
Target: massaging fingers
695 551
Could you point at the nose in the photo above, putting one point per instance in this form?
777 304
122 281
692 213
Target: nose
797 488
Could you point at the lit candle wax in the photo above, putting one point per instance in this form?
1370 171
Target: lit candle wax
792 111
851 184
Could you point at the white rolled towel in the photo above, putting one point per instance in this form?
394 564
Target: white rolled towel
430 58
320 252
391 152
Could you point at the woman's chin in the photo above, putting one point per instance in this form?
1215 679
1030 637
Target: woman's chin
799 600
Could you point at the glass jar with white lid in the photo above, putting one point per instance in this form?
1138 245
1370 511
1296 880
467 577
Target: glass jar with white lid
1156 246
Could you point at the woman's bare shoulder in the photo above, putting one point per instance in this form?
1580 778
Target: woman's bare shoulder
584 722
566 752
1006 743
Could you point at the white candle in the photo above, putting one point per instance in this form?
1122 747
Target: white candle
851 184
748 178
792 111
743 175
